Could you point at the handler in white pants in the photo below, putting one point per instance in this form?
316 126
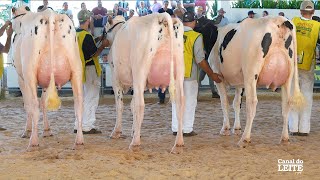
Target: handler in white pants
193 56
307 37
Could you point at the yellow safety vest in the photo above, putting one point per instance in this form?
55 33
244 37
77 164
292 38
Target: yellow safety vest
81 35
307 36
1 65
190 38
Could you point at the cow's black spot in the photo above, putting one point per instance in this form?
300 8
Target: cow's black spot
75 39
14 38
45 36
69 31
121 99
174 27
278 26
46 22
158 38
31 32
39 51
288 42
265 44
290 52
70 27
27 8
160 30
256 76
64 36
54 23
36 30
226 41
242 92
41 21
150 49
288 25
62 20
20 24
176 34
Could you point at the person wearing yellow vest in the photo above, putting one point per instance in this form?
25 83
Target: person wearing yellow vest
5 49
193 57
307 31
91 72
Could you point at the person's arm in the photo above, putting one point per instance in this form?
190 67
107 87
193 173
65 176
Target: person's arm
8 42
4 27
203 64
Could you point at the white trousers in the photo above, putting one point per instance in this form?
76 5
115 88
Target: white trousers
191 94
300 121
91 90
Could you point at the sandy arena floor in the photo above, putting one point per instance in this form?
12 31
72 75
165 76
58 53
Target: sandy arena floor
206 156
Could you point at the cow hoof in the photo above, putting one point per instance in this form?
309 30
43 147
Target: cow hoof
77 146
236 131
116 135
26 134
47 133
225 132
177 149
134 148
244 143
32 148
285 141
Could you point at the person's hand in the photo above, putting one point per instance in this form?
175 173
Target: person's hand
216 77
9 31
105 43
7 23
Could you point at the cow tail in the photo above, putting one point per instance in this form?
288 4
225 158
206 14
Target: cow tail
172 85
297 101
52 100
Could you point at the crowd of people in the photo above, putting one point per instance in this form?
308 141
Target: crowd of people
189 11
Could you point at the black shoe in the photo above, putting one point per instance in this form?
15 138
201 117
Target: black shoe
192 133
2 129
303 134
161 101
294 133
92 131
215 95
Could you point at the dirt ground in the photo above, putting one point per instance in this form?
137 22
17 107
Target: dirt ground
206 156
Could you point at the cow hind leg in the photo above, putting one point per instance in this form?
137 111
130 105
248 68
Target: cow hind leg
251 105
28 128
46 130
117 131
76 82
138 113
32 109
225 130
236 106
285 92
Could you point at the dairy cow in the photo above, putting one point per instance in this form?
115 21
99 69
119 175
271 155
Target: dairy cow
256 53
45 52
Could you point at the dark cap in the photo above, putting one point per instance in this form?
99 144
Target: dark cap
251 12
188 17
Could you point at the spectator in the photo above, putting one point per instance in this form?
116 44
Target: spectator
83 6
193 56
165 8
265 13
123 8
251 14
200 13
99 13
130 14
115 10
44 6
224 20
142 10
179 11
146 4
5 49
155 6
189 5
92 70
173 4
307 31
66 11
203 4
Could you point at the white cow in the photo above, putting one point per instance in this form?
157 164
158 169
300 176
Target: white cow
146 52
45 53
256 52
